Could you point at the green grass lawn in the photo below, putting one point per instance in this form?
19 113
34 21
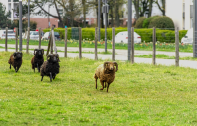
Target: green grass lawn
161 56
170 47
141 94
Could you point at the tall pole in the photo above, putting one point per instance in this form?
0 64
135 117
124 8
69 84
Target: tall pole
195 30
129 28
20 25
28 13
105 10
99 19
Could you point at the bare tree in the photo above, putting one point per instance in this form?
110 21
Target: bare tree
41 3
162 7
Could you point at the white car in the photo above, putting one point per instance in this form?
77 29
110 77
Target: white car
11 34
122 37
188 38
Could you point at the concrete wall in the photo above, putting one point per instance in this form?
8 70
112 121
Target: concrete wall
174 10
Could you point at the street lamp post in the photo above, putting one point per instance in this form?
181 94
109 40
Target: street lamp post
20 25
129 28
195 29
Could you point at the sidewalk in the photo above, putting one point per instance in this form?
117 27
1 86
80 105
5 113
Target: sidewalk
120 55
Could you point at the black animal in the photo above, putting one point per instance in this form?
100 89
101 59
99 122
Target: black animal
16 60
38 59
50 67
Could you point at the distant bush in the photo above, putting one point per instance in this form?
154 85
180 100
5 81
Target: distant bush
87 33
147 21
167 36
162 22
139 22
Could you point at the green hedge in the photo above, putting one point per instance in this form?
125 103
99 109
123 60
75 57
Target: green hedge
87 33
167 36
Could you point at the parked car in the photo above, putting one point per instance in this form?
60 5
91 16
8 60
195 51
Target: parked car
122 37
34 35
188 38
11 34
47 35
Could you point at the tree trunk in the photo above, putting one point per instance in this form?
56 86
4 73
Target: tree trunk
150 8
117 13
136 5
84 13
112 17
164 7
102 24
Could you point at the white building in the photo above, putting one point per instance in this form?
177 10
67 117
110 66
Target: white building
181 12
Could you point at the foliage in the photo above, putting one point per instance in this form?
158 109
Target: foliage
147 21
167 36
5 22
139 22
162 22
87 33
33 24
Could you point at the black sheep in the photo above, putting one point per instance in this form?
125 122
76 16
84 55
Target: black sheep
50 67
38 59
16 60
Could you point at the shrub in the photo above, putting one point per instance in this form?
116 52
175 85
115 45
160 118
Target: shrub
167 36
139 22
162 22
147 21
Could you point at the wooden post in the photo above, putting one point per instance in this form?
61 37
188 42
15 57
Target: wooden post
53 38
28 35
39 38
113 44
16 37
49 45
65 50
96 39
6 39
132 45
154 42
177 46
80 39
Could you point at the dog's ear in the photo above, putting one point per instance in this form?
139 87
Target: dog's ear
14 55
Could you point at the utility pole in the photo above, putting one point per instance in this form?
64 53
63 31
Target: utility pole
195 29
28 13
99 19
129 28
105 10
20 25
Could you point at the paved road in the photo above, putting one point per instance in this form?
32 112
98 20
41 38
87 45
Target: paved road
120 55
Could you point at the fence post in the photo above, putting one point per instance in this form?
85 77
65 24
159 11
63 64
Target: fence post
16 37
65 50
80 38
154 49
113 44
39 38
132 45
53 36
96 39
177 46
49 45
27 46
6 39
